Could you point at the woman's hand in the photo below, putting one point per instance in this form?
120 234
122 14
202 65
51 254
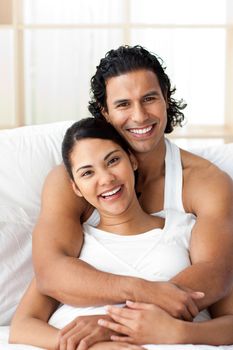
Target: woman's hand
115 346
83 332
142 323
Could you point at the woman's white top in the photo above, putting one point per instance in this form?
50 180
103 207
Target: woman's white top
156 255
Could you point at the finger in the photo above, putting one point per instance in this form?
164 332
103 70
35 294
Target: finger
193 309
73 342
75 334
125 321
83 345
119 311
62 344
119 338
197 295
125 346
118 328
91 339
139 306
68 327
186 315
133 347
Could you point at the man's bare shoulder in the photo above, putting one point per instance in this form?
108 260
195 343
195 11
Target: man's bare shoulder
58 195
204 183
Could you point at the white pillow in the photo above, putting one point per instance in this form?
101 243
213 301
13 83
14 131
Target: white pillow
221 155
15 257
27 155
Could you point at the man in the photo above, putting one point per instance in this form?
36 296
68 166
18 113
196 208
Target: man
132 91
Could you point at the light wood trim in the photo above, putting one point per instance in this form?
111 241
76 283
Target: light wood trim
18 63
203 132
6 12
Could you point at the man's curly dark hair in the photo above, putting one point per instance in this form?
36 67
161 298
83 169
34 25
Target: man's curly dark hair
127 59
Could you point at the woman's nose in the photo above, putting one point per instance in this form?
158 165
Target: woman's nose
106 177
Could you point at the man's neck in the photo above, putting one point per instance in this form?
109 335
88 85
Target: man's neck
151 164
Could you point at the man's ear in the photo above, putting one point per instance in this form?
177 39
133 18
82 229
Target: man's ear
133 161
76 189
105 114
166 100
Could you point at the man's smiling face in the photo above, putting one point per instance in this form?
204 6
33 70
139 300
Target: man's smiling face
137 108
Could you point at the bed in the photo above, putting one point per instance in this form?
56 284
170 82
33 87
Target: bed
27 155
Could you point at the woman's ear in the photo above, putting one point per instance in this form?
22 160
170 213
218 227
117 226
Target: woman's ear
133 161
76 189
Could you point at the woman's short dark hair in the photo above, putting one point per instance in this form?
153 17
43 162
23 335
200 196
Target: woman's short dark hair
94 128
127 59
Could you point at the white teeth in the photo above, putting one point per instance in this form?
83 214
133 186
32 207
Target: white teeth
141 131
110 193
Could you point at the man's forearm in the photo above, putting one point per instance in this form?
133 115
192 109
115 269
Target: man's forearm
83 285
205 277
89 287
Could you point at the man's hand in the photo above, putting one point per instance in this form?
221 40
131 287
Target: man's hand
142 323
83 332
179 303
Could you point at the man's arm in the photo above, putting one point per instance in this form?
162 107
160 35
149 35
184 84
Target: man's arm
210 192
57 241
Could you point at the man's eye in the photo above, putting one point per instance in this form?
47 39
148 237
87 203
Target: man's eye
149 98
113 160
123 104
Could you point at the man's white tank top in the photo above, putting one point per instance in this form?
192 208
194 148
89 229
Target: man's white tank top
156 255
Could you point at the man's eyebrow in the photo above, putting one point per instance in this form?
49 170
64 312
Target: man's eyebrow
150 93
120 101
90 166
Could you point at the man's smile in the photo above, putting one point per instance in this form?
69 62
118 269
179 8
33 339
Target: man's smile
143 131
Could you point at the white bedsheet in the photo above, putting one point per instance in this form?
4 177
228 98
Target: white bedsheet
4 332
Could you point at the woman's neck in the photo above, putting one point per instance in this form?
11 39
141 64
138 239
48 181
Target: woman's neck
132 221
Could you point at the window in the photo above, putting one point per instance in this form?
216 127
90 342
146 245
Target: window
50 50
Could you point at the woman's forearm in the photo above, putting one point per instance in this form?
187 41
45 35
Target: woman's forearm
34 332
218 331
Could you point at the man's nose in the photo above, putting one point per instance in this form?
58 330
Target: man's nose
139 114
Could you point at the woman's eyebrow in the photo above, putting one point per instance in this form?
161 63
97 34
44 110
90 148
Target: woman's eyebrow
90 166
110 153
83 167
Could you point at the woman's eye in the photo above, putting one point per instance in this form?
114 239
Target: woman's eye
86 173
113 160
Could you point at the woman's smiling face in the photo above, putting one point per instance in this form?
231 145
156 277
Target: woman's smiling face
103 174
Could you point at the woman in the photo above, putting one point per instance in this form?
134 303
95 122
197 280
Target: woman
126 240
